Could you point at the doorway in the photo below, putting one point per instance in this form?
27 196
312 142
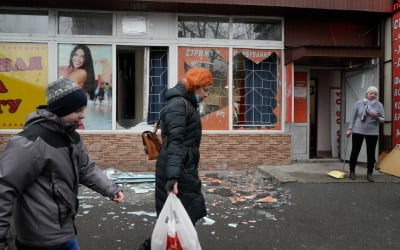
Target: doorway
313 117
324 113
130 78
356 82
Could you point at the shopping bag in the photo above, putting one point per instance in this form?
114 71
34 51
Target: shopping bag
174 229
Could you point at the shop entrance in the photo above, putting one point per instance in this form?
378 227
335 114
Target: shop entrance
130 78
332 94
324 113
356 82
317 103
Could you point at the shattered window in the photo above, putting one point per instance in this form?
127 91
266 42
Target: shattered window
256 89
214 109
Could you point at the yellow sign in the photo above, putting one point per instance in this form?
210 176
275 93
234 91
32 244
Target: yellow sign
23 81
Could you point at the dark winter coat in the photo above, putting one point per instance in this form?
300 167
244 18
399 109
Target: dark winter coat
40 172
179 156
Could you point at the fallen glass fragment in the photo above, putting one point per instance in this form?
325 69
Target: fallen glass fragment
208 221
139 213
268 199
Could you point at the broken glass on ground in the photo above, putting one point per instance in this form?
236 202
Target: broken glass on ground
120 177
245 188
234 199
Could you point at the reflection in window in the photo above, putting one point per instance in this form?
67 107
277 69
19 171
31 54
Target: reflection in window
32 22
255 92
203 27
214 109
218 96
257 29
85 23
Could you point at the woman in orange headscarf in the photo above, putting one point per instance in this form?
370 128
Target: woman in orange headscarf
177 165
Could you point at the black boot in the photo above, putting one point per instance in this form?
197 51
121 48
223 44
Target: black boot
369 177
146 245
352 175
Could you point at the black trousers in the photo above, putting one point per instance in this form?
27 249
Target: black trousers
357 140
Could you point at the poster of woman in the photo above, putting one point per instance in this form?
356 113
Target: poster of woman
90 67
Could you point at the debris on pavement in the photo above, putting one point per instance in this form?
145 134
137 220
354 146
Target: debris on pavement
208 221
244 188
128 177
268 199
234 199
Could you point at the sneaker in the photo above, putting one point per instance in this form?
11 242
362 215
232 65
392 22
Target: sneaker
352 175
369 178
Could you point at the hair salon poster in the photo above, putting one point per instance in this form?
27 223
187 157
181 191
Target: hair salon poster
215 108
23 80
90 66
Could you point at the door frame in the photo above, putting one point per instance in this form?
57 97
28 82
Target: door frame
345 142
301 130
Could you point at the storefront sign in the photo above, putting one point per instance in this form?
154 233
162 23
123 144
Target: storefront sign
256 55
396 5
335 100
23 80
396 77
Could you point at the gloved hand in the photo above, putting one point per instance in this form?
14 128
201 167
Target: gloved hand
169 186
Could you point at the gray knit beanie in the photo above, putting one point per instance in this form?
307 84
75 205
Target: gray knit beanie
64 97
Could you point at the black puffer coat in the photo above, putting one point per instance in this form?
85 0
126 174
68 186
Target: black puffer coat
179 156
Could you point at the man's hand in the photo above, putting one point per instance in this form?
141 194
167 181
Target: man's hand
119 197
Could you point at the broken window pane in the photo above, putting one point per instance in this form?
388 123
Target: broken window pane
256 89
214 109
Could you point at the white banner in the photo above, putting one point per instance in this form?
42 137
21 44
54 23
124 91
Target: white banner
335 100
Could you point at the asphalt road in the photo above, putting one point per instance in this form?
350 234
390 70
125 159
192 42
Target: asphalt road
304 216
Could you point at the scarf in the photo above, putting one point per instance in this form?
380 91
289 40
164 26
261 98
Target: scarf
367 108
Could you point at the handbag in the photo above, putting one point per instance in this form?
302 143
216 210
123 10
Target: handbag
151 142
174 229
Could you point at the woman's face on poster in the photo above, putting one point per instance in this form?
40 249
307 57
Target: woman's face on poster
78 59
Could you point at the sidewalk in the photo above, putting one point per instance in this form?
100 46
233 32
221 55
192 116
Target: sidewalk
317 172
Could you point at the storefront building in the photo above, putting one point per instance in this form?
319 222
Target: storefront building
286 73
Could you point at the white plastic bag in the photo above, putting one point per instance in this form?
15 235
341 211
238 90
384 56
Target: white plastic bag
174 218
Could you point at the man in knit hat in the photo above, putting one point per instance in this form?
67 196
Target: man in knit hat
40 172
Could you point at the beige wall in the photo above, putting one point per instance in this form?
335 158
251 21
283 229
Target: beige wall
218 151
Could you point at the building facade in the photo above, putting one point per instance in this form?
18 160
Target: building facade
286 73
